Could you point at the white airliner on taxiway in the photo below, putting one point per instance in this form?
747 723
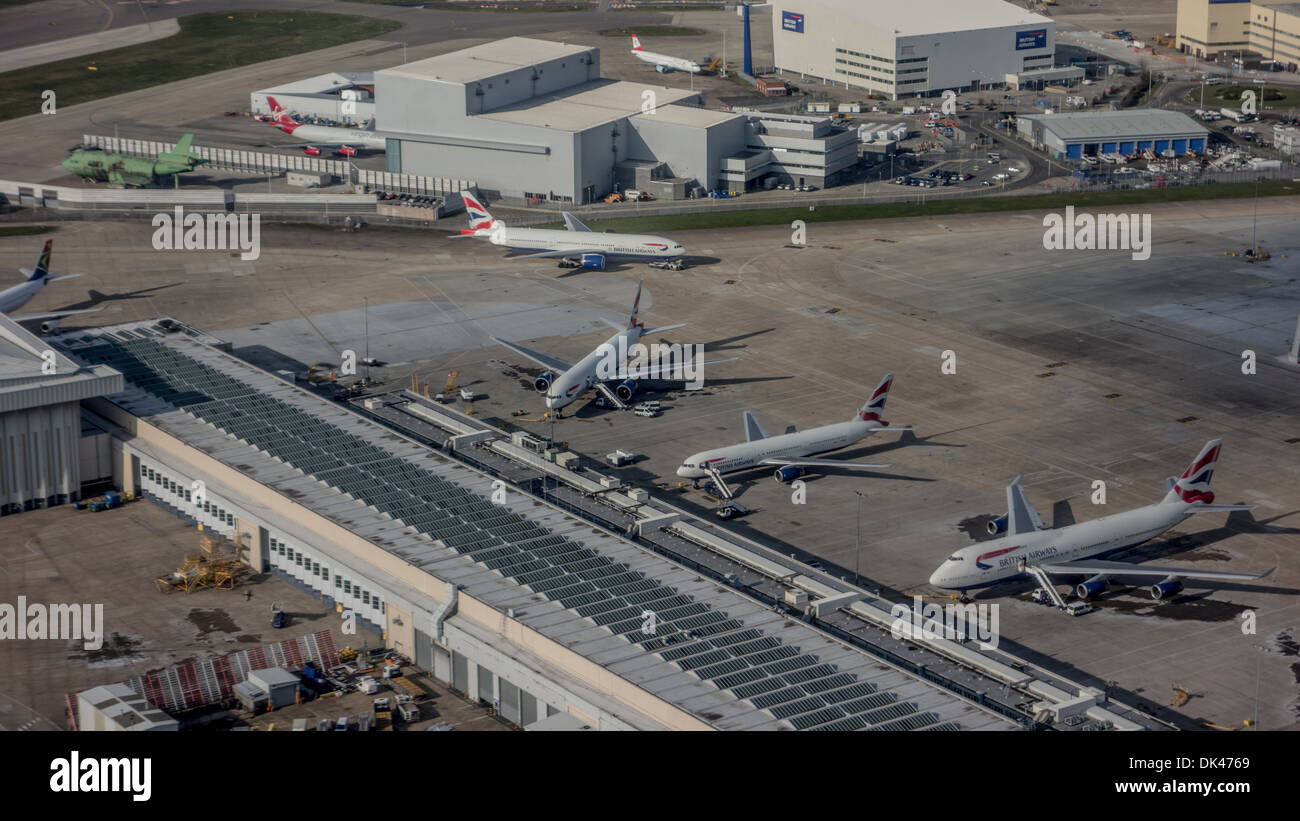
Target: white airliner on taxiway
1028 548
578 241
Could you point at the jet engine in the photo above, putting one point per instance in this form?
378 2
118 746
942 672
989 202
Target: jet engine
624 390
50 324
998 526
787 474
595 262
1171 586
1092 587
543 383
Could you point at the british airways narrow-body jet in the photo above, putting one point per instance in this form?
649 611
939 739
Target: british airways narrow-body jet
11 299
663 63
1029 548
789 452
577 242
564 383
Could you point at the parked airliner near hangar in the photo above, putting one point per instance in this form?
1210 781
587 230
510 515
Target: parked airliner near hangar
1029 548
788 452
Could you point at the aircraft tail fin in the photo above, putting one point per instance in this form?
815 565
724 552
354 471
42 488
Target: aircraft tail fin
181 151
632 320
1194 484
636 43
875 406
479 217
42 269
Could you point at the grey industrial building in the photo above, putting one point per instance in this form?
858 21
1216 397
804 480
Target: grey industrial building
919 47
533 120
46 452
1079 134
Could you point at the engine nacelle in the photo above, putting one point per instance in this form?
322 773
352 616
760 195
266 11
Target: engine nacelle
595 262
662 69
624 390
1165 589
50 324
543 382
1092 587
997 526
787 474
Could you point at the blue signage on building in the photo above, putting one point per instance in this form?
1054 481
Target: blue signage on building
792 22
1037 38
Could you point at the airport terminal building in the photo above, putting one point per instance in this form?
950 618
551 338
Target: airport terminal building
1079 134
922 47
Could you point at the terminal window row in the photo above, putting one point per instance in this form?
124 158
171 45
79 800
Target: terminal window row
180 491
281 548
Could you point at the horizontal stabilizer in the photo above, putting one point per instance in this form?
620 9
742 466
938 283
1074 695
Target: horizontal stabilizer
662 328
1199 508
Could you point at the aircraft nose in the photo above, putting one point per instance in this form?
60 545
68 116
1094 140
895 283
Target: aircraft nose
938 577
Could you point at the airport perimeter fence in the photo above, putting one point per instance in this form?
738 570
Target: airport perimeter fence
266 162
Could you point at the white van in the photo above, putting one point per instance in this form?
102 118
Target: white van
644 411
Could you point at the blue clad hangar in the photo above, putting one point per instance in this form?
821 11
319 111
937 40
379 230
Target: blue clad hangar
1074 135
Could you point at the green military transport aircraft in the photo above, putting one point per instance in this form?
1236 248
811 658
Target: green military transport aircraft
93 165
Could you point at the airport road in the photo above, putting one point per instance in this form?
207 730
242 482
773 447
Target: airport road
1072 367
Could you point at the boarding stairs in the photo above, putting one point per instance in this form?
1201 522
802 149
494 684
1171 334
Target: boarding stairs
1045 583
723 489
610 396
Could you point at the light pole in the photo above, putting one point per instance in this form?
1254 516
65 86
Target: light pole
857 553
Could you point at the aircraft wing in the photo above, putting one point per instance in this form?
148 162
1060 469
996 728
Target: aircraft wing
666 371
753 430
1021 516
573 223
52 315
1094 566
545 360
571 252
817 463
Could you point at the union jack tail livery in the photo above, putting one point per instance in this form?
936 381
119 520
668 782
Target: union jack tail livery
479 217
1194 484
42 269
871 411
632 321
